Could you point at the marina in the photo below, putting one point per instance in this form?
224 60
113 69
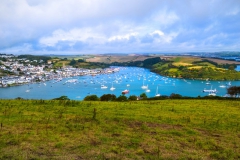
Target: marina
128 81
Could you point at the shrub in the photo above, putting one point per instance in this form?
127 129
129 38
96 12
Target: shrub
122 98
132 98
108 97
91 98
62 98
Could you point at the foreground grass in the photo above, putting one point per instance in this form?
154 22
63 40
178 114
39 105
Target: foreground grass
164 129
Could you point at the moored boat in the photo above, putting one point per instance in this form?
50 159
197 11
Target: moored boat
125 91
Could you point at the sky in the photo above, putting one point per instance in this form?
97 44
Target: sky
119 26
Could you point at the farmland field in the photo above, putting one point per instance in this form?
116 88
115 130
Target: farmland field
161 129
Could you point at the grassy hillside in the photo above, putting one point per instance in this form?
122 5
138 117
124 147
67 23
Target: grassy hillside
77 62
196 68
165 129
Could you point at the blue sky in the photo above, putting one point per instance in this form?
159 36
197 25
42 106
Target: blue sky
119 26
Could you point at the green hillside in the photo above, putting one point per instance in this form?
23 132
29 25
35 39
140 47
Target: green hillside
160 129
196 68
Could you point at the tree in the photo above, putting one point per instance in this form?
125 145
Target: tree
108 97
132 98
91 98
62 98
173 95
231 67
80 60
73 62
143 96
122 98
234 91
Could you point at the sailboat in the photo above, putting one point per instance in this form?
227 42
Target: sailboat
112 88
144 87
157 94
210 90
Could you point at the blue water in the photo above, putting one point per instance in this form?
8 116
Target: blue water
238 68
131 78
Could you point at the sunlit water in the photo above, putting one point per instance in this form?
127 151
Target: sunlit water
131 78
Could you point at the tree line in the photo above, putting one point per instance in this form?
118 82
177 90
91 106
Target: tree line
234 91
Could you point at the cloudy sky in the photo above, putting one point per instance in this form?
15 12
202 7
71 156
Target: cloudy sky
119 26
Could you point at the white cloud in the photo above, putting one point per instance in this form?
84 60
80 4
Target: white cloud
122 37
164 18
157 32
101 25
74 35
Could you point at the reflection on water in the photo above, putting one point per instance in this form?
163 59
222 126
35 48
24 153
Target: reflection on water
136 80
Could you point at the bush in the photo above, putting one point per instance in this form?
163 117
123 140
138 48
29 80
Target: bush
108 97
173 95
91 98
132 98
62 98
143 96
122 98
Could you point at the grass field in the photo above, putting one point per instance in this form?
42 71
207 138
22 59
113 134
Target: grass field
163 129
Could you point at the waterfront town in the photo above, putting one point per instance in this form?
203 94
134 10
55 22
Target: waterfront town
20 71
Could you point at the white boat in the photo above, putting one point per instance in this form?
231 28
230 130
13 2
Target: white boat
27 90
157 94
128 85
210 90
112 88
103 87
143 86
208 83
212 94
222 86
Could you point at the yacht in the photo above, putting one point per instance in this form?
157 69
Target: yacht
112 88
210 90
103 87
157 94
143 86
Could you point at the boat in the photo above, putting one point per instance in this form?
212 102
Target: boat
228 84
157 94
27 90
125 91
210 90
212 94
143 86
112 88
208 83
103 87
222 86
